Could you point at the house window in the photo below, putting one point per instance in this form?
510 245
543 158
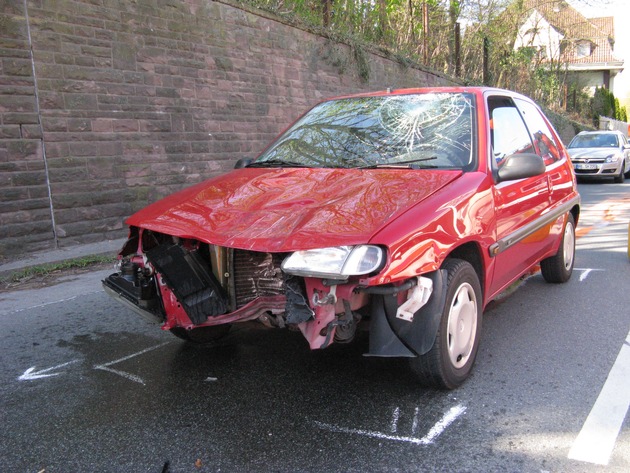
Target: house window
563 46
583 49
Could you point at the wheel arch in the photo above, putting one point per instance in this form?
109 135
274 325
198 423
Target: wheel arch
471 252
391 336
575 211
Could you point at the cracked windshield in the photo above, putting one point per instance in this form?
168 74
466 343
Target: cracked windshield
417 131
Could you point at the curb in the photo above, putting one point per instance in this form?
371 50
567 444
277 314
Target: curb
63 254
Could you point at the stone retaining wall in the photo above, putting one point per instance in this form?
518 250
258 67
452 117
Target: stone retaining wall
130 101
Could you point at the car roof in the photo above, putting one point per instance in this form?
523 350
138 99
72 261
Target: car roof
477 90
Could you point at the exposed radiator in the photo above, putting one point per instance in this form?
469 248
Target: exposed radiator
255 275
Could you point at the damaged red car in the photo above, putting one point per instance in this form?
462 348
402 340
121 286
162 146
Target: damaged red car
406 211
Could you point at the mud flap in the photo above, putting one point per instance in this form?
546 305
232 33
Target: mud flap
394 337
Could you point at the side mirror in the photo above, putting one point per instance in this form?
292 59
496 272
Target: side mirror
243 163
520 166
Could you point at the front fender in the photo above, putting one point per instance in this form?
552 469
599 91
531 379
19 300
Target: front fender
391 336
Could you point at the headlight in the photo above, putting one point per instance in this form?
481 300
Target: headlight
613 158
337 262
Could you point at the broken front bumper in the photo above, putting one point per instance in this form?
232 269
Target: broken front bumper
141 299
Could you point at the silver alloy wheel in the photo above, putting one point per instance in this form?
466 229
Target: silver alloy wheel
462 325
569 245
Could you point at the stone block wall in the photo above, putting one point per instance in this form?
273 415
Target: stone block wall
25 214
121 103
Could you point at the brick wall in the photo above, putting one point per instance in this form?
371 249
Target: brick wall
131 101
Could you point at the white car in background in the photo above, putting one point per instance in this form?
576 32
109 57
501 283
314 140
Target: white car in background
600 154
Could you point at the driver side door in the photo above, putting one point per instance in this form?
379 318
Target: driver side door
519 204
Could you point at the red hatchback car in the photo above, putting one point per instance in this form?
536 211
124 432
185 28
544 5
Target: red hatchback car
408 210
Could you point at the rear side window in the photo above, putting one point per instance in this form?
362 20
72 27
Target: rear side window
508 133
544 142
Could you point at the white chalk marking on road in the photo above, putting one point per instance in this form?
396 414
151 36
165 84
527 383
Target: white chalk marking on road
596 440
211 379
124 374
435 431
414 425
394 423
586 272
31 374
45 304
447 420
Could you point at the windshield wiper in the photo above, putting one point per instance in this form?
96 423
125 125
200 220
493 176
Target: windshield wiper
275 163
402 164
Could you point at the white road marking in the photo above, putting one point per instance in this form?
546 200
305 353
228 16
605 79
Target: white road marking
586 272
31 374
435 431
124 374
596 440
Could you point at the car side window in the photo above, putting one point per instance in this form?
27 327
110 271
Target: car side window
544 142
508 133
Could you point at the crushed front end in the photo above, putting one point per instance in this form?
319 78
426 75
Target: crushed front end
187 285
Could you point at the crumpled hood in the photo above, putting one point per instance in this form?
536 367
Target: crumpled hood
280 210
592 153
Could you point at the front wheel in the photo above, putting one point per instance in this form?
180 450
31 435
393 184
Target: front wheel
450 360
559 267
622 176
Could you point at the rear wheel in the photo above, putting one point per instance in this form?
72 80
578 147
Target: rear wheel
202 335
559 267
450 360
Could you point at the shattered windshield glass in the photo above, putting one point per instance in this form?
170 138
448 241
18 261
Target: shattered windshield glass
432 130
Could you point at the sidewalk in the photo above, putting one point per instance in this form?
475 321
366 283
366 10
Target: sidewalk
56 256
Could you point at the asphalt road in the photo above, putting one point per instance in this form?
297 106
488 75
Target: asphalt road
88 386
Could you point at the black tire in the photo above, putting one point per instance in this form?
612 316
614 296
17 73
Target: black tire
559 267
202 335
622 176
449 362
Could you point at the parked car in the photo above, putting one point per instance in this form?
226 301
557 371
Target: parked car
406 211
601 154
